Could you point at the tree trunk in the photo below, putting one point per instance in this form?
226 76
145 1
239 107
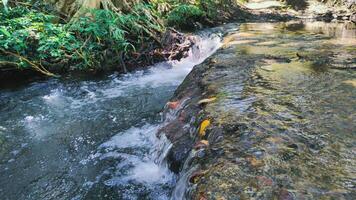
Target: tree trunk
77 8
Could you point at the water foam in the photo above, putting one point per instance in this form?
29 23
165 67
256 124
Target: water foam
145 168
139 155
170 73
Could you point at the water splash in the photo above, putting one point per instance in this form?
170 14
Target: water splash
141 160
166 73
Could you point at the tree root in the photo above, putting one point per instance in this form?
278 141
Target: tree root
36 67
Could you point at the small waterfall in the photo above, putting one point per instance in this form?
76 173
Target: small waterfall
140 153
181 186
197 54
161 150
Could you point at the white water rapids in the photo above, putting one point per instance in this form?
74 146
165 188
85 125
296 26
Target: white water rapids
92 139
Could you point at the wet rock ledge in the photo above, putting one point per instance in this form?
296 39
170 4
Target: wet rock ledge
231 126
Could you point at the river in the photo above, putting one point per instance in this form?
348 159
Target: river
74 138
91 139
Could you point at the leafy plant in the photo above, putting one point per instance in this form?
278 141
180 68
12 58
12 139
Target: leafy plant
86 43
185 15
34 36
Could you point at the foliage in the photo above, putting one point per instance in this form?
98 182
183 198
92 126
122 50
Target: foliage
214 8
34 35
82 44
185 15
28 33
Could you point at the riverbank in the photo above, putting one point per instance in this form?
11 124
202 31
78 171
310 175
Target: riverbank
254 120
40 39
37 40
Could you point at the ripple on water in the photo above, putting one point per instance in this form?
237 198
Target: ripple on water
296 138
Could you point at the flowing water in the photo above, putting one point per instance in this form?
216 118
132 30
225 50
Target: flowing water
96 139
284 119
80 139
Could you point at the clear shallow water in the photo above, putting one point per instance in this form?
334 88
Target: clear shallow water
79 139
287 106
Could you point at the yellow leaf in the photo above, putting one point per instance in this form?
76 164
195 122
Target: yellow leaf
204 101
255 162
201 144
206 142
203 127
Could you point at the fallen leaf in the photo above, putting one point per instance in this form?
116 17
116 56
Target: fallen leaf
202 196
206 142
203 127
196 175
173 105
201 144
255 162
205 101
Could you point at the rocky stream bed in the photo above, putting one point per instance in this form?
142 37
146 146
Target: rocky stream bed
271 115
